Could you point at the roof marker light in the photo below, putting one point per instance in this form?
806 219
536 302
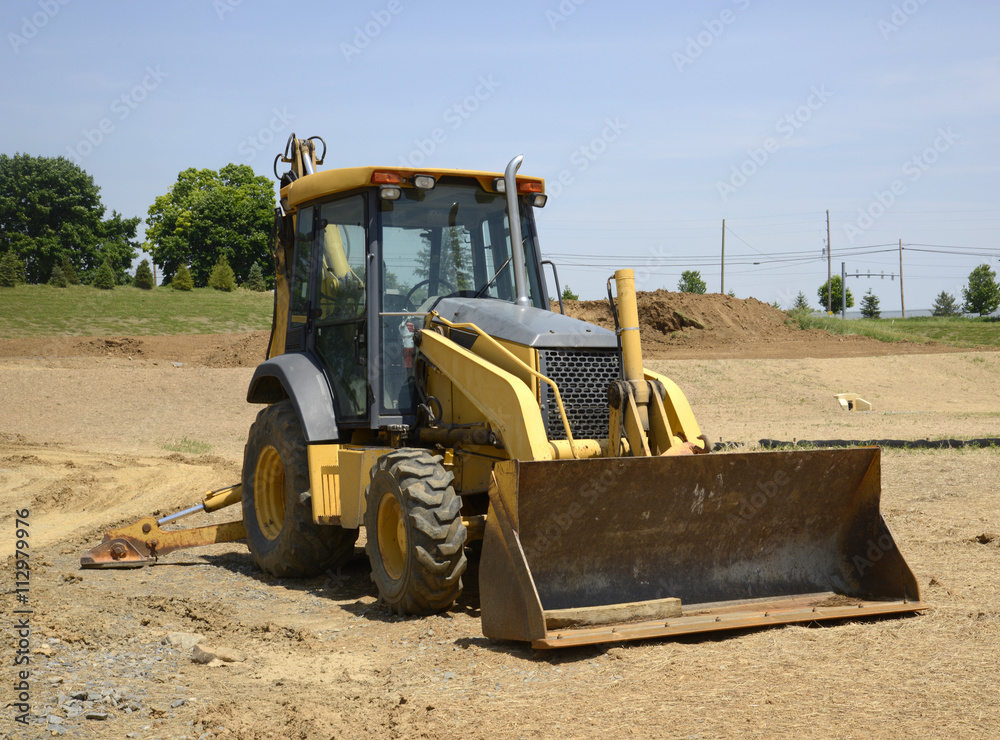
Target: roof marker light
386 178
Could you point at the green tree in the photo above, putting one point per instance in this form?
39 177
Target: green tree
105 277
182 279
944 305
569 295
206 214
836 295
801 303
58 278
69 270
49 207
144 276
982 294
11 270
691 282
255 281
222 277
869 306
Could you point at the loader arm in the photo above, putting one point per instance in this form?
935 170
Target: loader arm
503 398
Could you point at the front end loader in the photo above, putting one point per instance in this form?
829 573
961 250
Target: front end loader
418 385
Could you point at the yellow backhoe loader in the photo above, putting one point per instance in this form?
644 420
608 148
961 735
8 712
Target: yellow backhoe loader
418 385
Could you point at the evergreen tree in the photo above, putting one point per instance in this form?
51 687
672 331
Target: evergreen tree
182 279
569 295
982 295
58 278
801 303
68 270
869 306
11 270
144 276
105 277
222 276
255 281
691 282
944 305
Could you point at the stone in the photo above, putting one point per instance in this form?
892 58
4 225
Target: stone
206 654
99 716
183 640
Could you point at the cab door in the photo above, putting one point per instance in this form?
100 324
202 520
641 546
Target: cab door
329 298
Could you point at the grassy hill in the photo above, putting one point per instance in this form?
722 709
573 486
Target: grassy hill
957 331
41 310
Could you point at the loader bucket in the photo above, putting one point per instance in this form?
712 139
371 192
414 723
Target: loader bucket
609 549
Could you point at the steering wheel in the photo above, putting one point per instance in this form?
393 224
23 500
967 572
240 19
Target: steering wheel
413 290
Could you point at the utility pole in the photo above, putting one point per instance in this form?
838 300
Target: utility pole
843 290
829 268
902 302
723 288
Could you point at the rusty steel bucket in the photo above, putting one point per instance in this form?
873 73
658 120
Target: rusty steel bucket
608 549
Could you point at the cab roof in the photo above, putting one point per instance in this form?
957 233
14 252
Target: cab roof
331 182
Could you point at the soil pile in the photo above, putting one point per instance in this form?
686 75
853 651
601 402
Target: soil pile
690 320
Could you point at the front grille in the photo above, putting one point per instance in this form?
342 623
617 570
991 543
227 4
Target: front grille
582 376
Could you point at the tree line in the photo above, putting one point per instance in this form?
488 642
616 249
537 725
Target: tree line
213 225
981 295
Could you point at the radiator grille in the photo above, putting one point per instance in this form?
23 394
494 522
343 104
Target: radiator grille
582 377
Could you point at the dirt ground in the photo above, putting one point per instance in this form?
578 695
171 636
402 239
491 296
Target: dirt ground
86 442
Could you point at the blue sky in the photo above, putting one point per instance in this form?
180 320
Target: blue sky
651 122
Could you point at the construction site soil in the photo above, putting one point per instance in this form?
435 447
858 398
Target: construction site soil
97 432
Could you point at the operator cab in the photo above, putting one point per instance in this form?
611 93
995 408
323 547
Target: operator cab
447 237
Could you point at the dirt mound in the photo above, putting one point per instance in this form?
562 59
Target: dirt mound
687 319
208 350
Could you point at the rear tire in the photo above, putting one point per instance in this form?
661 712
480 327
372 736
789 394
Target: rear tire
277 503
416 538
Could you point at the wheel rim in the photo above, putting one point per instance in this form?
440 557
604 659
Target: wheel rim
391 536
269 492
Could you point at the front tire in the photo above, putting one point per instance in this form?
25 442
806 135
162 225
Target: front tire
416 538
277 502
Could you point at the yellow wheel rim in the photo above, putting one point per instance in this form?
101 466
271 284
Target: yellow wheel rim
269 492
391 536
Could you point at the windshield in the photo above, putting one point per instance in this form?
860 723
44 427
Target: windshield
451 240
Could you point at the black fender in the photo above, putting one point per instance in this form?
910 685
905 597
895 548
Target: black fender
299 377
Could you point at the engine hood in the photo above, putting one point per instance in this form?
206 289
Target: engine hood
527 325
